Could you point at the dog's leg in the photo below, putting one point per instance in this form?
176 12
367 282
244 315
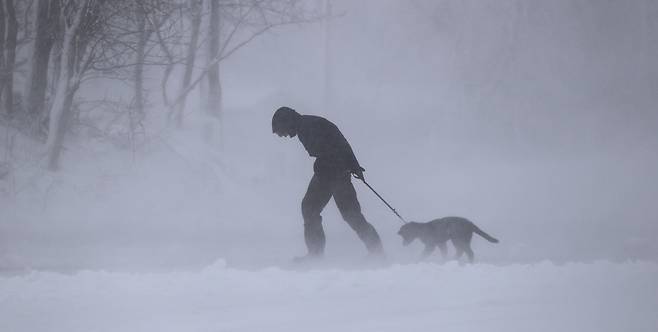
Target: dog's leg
469 253
459 253
429 249
444 250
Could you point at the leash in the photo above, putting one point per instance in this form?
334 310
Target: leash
383 200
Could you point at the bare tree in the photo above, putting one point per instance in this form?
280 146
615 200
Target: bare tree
46 31
102 40
140 57
10 57
150 18
195 13
92 47
3 28
214 93
234 24
212 96
76 41
73 14
169 37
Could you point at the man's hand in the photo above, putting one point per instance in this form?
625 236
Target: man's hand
358 173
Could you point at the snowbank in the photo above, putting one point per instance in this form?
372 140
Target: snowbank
601 296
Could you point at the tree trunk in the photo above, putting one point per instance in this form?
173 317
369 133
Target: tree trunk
66 86
46 29
60 117
189 59
139 67
213 99
10 59
3 66
56 125
214 92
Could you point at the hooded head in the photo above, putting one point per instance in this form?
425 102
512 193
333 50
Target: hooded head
285 122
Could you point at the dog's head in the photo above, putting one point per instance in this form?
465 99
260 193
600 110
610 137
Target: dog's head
409 232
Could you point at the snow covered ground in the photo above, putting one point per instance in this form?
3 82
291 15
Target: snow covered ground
600 296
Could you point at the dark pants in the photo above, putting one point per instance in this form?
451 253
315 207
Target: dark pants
319 192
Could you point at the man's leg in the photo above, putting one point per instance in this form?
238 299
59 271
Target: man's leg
317 196
345 197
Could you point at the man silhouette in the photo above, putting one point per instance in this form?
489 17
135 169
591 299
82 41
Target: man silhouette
334 164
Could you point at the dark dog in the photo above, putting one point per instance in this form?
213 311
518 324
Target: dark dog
437 232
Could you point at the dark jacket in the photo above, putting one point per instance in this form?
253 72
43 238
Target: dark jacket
323 140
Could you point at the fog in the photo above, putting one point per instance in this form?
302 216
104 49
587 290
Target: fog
142 187
535 120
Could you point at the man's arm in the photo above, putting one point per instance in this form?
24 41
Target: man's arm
343 152
322 139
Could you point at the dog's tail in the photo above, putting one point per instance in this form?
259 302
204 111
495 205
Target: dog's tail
481 233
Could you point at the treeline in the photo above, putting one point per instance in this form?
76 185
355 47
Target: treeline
49 50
